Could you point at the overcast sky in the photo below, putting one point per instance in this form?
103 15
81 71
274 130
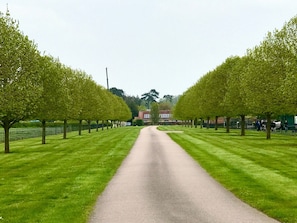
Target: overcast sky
166 45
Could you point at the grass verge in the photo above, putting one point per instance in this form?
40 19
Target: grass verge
261 172
60 181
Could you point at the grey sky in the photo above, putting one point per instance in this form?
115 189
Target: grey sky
165 45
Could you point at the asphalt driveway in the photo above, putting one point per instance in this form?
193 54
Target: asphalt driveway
158 183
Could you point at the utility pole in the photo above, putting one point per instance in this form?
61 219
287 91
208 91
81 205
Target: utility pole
107 79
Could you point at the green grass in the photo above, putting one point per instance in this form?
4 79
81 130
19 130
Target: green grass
61 180
261 172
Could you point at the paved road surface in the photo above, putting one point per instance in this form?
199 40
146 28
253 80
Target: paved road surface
159 183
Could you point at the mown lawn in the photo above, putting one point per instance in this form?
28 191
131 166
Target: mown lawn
261 172
60 181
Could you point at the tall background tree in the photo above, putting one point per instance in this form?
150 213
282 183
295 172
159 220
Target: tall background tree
168 97
133 103
150 97
117 92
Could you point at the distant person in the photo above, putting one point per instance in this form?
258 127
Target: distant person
258 125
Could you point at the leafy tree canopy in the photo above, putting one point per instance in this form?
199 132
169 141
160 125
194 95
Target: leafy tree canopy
117 92
150 97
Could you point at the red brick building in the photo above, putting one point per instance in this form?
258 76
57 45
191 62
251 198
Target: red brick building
164 115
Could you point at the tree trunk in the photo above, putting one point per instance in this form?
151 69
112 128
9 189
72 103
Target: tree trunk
43 126
207 125
201 124
228 124
216 124
65 129
102 126
268 126
97 125
107 127
79 127
6 127
242 125
89 125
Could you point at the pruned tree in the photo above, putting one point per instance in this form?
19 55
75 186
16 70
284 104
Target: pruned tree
123 111
216 90
288 41
91 102
234 100
50 103
100 107
263 78
207 102
20 86
108 107
179 109
84 98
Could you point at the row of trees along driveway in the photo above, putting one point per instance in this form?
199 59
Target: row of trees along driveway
35 86
262 82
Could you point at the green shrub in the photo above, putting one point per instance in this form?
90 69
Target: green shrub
139 122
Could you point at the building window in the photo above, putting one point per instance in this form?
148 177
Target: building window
164 115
